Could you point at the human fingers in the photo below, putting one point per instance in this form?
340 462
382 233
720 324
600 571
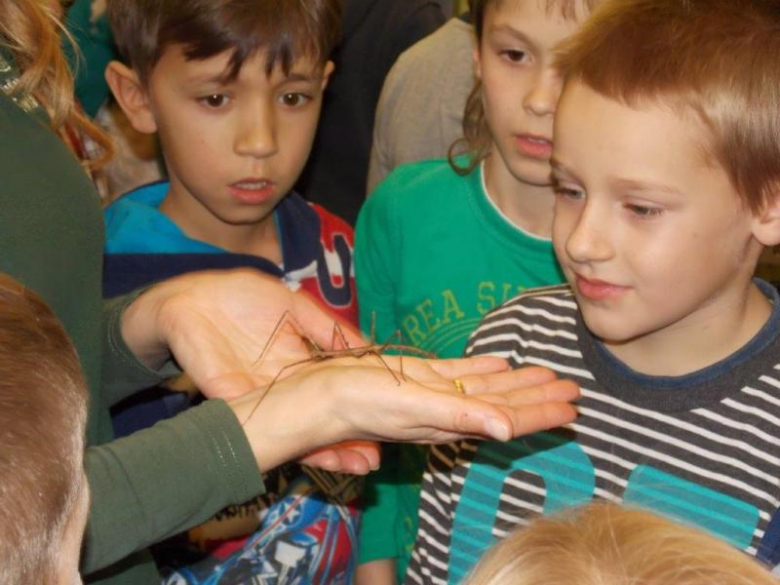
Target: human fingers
550 391
338 461
530 384
355 457
432 370
321 326
471 366
526 419
228 385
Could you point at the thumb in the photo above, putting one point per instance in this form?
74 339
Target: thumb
228 386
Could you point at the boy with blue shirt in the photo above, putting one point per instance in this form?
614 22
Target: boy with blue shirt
666 165
233 89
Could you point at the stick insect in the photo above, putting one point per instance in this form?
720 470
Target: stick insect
318 354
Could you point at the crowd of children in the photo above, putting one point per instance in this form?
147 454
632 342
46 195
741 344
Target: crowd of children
592 236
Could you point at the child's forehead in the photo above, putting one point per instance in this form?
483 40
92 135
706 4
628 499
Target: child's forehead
647 133
227 66
577 95
571 10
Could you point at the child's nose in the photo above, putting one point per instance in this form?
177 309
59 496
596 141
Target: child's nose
588 241
256 135
542 97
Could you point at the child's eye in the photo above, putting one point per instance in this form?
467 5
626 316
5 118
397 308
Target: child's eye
644 211
294 99
514 55
215 101
568 193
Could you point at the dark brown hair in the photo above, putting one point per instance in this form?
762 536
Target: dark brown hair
719 59
476 139
42 418
285 29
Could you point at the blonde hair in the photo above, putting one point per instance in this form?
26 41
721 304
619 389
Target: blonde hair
719 59
29 29
43 412
477 139
604 544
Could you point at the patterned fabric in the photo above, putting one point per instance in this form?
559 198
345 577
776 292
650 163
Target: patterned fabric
700 448
302 537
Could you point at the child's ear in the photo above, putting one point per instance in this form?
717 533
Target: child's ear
330 67
132 97
766 223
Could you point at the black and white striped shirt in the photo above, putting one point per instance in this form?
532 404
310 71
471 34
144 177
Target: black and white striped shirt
703 448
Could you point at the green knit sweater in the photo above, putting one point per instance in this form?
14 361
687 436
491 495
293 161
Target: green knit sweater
159 481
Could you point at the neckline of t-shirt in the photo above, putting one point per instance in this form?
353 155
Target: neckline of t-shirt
694 390
498 223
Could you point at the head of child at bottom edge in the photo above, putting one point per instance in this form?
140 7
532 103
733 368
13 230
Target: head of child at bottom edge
233 88
666 169
509 114
43 488
605 544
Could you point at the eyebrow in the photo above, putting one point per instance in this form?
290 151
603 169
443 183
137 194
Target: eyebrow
302 77
519 35
637 185
620 183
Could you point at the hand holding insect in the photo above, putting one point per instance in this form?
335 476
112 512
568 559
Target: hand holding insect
216 324
353 398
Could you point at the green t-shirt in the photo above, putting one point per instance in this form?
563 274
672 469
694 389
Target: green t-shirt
433 255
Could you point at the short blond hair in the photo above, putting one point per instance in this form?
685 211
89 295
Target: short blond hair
719 59
43 415
604 544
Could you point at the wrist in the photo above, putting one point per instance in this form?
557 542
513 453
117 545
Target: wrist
290 420
141 328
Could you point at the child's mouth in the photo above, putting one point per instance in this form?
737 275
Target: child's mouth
253 191
598 290
534 146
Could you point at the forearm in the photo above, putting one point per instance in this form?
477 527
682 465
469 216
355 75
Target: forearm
166 479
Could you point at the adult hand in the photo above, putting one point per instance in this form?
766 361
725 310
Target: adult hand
351 398
217 323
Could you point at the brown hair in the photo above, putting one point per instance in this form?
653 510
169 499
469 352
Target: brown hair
42 417
719 59
29 30
604 544
476 139
285 29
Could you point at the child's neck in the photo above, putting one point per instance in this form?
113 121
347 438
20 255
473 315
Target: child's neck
529 207
697 342
257 239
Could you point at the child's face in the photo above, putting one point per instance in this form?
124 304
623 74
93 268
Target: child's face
652 238
520 87
233 149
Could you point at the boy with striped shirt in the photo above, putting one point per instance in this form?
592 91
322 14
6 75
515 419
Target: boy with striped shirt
667 169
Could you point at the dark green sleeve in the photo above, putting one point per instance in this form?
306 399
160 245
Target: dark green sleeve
123 374
162 480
